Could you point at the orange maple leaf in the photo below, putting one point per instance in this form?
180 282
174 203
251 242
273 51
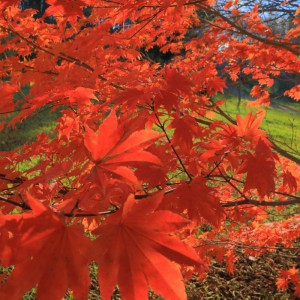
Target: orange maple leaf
7 93
294 92
282 283
136 250
248 127
199 200
290 181
176 81
47 253
260 169
113 146
65 8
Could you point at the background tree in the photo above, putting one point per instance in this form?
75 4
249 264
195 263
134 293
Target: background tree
138 176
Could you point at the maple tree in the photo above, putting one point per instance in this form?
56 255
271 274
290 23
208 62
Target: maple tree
138 164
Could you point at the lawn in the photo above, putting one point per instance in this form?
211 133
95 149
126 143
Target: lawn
27 131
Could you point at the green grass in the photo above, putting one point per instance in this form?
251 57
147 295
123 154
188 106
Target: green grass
293 105
42 121
282 127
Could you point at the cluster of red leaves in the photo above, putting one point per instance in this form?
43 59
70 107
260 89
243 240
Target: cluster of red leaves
137 167
286 276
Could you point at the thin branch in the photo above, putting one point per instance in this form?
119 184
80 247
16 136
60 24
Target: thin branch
144 25
161 126
25 206
287 195
261 203
285 153
216 165
279 44
22 205
81 215
232 185
14 180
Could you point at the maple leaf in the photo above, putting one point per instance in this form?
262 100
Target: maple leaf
267 81
290 181
260 169
262 96
130 96
166 98
6 3
286 276
294 92
65 8
256 91
136 251
5 246
248 127
113 146
80 95
282 283
178 82
7 93
230 259
199 200
185 129
47 253
216 85
293 274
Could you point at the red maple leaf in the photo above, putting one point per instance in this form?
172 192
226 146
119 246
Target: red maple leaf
47 253
136 251
247 128
185 129
7 93
294 92
198 199
114 146
260 169
65 8
290 181
176 81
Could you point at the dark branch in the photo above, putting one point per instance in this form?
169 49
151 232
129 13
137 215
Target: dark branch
261 203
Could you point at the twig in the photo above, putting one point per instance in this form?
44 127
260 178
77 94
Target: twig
161 126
